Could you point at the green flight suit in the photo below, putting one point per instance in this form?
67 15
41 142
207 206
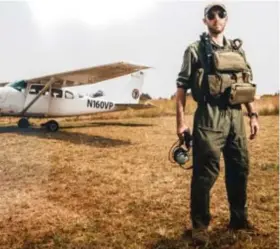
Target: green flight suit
218 128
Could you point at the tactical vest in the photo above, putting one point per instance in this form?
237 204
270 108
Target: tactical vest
223 75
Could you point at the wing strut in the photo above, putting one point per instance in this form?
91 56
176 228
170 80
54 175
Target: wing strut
46 87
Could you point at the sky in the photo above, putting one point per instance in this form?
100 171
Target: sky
46 37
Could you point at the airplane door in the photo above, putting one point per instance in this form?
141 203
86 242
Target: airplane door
41 105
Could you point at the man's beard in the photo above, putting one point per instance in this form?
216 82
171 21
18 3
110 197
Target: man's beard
215 32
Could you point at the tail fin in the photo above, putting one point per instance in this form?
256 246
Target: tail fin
130 92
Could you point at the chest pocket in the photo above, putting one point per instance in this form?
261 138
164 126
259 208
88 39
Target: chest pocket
231 77
229 61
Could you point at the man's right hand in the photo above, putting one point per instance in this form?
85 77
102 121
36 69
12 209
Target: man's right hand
180 132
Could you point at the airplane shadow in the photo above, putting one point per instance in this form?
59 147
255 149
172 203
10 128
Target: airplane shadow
73 137
97 124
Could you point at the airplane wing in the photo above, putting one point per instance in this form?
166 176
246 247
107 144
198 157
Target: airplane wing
89 75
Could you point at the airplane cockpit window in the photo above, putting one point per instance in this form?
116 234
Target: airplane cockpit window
69 95
18 85
35 89
57 93
97 94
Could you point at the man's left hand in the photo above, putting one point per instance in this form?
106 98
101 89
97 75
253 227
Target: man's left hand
254 125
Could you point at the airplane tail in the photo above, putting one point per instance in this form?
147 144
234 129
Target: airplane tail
130 96
127 95
127 92
123 93
130 92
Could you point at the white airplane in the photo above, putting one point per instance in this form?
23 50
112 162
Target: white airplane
65 94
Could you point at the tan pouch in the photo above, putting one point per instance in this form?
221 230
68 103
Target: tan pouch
229 61
218 83
215 85
242 93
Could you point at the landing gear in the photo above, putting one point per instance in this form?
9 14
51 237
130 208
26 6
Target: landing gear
51 126
23 123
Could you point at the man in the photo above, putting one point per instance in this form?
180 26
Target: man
218 126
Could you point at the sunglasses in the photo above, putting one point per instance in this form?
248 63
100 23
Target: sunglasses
221 14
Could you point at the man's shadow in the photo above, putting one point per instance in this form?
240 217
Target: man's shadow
182 242
220 238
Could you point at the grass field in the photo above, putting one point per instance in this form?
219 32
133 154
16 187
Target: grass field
266 105
108 184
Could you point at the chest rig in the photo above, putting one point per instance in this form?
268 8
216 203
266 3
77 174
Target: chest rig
223 74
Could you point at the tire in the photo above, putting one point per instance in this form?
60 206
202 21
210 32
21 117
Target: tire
23 123
52 126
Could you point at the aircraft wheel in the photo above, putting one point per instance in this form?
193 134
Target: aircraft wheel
23 123
52 126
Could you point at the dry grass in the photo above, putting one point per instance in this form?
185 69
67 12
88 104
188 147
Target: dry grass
108 184
267 105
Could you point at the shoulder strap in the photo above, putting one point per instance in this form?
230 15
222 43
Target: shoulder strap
205 63
207 51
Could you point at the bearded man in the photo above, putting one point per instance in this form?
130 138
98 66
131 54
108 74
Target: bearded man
220 79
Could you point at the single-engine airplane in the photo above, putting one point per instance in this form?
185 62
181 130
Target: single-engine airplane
65 94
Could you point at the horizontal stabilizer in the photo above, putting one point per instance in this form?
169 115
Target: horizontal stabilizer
3 83
120 107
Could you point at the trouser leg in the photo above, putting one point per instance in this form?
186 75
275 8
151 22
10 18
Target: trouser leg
206 157
236 172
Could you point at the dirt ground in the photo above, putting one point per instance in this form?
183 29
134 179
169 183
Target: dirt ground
109 184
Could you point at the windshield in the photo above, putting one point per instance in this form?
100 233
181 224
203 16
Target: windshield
18 85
